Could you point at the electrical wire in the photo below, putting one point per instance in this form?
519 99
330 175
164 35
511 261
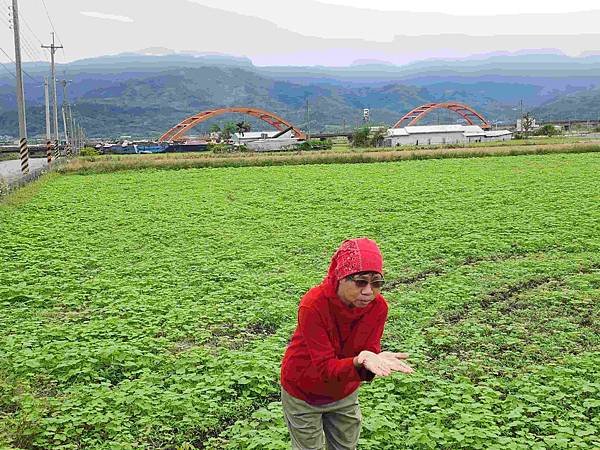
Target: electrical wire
11 60
6 20
34 49
6 5
53 29
9 71
32 32
30 50
26 48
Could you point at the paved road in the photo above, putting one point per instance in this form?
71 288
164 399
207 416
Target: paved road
11 170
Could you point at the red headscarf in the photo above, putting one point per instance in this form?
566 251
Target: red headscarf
354 255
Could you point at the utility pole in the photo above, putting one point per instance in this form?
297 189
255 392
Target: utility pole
64 115
78 134
74 136
81 136
53 48
48 132
307 121
67 143
47 103
521 103
72 125
23 150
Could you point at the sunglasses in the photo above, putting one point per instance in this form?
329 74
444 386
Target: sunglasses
363 282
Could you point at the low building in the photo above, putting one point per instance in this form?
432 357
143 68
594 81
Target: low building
272 145
521 125
442 134
265 141
260 135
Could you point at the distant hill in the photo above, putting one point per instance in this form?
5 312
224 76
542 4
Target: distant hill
581 105
145 94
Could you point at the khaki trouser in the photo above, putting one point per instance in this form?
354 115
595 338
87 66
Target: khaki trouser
337 423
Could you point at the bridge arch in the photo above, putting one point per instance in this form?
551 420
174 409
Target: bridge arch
178 131
469 114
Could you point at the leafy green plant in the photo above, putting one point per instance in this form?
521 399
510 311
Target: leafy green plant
546 130
220 148
228 130
314 144
3 187
89 151
154 313
360 137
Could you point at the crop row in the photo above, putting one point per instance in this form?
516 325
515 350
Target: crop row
150 309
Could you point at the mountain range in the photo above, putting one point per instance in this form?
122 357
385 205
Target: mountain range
144 93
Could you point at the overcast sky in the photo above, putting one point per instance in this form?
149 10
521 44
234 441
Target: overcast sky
326 32
473 7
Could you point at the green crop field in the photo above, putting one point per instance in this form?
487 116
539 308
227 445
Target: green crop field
150 309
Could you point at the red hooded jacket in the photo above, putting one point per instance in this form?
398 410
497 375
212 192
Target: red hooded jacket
318 363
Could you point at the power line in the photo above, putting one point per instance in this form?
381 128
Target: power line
30 29
27 48
35 48
4 19
52 25
10 59
31 50
9 71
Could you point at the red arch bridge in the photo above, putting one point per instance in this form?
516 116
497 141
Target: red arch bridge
177 133
471 116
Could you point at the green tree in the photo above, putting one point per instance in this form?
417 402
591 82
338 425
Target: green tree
242 127
376 138
360 137
215 128
527 122
228 129
547 130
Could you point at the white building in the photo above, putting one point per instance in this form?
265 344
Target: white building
264 140
442 134
260 135
532 125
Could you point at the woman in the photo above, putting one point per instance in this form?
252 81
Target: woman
336 345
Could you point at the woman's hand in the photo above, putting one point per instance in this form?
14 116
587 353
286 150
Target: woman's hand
383 364
374 363
396 361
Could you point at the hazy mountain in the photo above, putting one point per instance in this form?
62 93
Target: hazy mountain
145 94
583 105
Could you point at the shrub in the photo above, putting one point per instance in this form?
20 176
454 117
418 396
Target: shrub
316 145
360 138
376 139
89 151
3 187
220 148
546 130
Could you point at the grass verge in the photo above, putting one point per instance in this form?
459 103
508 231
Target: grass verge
115 163
25 193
